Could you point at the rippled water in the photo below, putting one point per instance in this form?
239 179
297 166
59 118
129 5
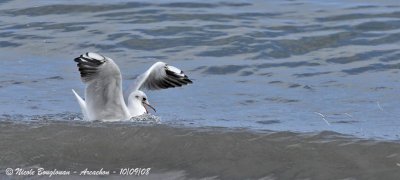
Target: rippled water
303 66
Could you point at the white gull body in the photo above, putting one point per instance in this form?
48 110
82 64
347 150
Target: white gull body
104 99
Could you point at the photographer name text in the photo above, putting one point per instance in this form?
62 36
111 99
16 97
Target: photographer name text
85 172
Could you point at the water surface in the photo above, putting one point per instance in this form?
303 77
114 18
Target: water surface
278 67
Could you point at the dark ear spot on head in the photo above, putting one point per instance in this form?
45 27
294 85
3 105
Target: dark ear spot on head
136 96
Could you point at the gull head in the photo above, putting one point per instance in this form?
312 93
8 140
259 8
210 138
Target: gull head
138 103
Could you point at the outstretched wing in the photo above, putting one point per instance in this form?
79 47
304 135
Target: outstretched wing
160 76
103 95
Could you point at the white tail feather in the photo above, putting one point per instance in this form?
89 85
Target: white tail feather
82 104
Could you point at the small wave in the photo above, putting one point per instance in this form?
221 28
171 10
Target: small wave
147 118
198 153
74 117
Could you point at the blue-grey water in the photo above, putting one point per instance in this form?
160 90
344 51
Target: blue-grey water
301 89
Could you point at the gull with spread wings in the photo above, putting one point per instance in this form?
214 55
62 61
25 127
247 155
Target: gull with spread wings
104 99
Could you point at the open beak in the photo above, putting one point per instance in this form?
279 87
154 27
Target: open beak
146 104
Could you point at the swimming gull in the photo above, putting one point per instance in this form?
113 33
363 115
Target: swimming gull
104 99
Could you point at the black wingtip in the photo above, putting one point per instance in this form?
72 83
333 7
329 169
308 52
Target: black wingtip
188 81
88 64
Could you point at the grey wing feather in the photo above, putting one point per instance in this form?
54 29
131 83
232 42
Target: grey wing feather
161 76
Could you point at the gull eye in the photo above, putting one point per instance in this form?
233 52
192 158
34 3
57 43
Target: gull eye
144 99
